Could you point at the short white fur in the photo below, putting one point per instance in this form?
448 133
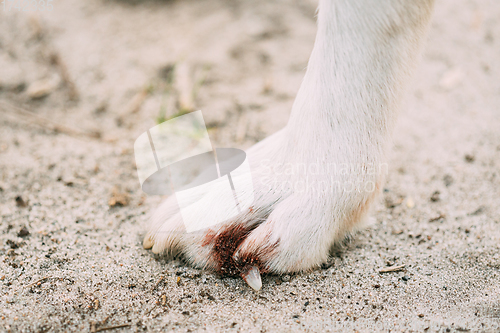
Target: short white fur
343 116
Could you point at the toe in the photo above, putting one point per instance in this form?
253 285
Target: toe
147 243
168 237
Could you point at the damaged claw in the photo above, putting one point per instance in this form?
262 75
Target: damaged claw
252 278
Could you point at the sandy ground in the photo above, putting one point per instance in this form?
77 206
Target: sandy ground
73 213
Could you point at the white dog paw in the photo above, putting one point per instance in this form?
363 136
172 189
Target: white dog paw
293 222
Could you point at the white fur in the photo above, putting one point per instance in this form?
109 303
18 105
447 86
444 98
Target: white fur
337 135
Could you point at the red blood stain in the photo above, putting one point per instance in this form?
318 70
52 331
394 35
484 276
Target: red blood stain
226 242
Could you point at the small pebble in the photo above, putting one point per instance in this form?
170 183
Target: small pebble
405 278
410 203
478 211
118 198
435 196
42 88
469 158
23 232
448 180
20 201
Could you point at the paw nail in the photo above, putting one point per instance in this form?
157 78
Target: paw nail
157 249
252 278
147 243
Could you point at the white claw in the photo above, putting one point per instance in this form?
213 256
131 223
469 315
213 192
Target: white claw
252 278
148 243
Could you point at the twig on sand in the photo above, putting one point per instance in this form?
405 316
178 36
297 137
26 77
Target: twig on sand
440 216
111 327
241 128
39 281
157 283
35 119
56 60
105 320
159 313
184 86
137 101
151 310
392 269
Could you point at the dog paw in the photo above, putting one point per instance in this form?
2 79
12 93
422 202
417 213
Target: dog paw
295 218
